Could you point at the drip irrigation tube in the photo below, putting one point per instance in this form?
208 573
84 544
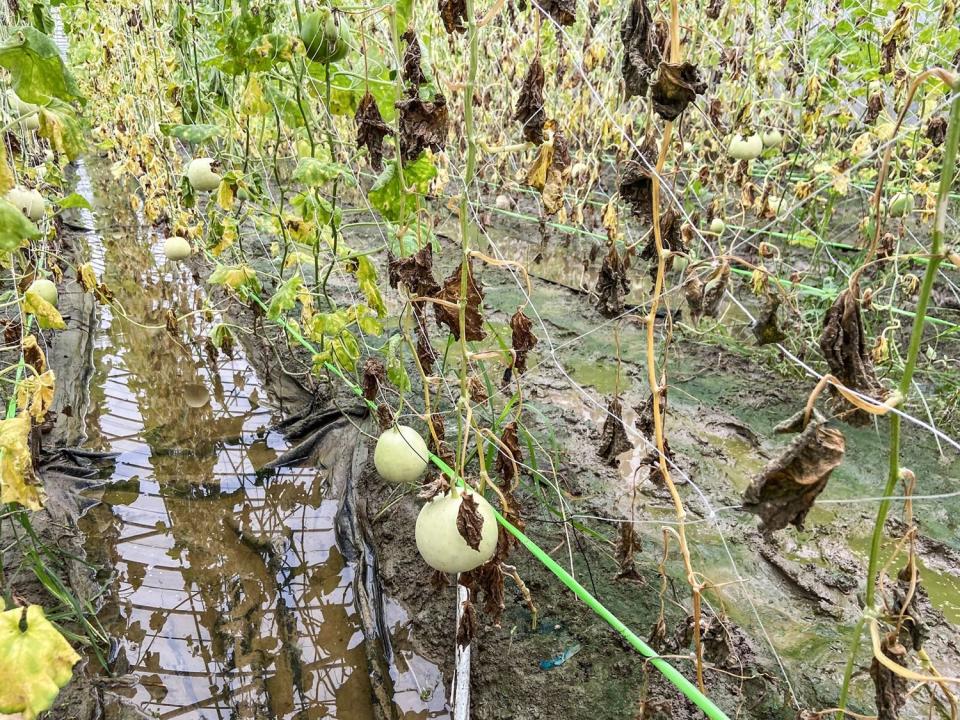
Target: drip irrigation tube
691 691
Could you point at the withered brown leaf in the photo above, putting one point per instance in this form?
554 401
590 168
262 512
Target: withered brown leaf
529 110
677 85
414 271
786 489
522 338
612 284
891 688
467 629
423 125
509 456
640 52
454 15
412 70
714 289
628 544
636 182
844 346
613 437
470 521
563 11
936 130
374 373
450 317
371 129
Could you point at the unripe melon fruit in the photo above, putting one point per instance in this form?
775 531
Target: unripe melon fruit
401 455
439 541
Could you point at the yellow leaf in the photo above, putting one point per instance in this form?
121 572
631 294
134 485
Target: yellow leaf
33 354
253 102
16 465
87 277
225 195
6 174
610 222
537 174
46 314
35 394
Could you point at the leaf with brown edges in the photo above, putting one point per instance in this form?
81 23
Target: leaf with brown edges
470 521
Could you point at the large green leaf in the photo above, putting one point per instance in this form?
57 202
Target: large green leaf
388 194
38 72
15 228
35 662
285 297
193 134
316 173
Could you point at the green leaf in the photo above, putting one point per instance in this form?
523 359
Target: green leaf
388 194
37 70
402 10
316 173
285 297
35 662
396 370
74 200
15 228
194 134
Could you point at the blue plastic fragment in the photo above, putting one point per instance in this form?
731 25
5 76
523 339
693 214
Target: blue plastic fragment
560 659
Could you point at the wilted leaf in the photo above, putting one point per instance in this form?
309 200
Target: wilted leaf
612 284
16 465
844 346
36 68
641 56
549 171
613 437
371 129
891 688
529 110
423 125
60 126
676 87
15 228
786 489
564 12
473 317
415 271
235 277
33 354
470 521
374 373
6 172
467 627
454 15
765 328
412 71
522 339
509 456
284 297
35 394
35 662
46 314
636 182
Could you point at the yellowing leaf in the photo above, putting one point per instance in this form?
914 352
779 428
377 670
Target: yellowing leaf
35 662
33 354
6 174
35 394
16 468
87 277
225 195
253 102
235 276
46 314
537 174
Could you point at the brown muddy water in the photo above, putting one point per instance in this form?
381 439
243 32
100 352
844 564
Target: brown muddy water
226 593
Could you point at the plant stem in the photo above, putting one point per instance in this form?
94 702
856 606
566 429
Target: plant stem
906 380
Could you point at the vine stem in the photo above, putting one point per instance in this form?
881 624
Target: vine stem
655 386
913 351
468 174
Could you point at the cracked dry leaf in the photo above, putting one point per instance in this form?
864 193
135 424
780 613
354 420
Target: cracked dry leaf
16 464
473 318
48 318
529 111
786 489
522 338
636 182
612 284
470 521
374 374
765 328
35 662
891 688
423 126
467 629
613 437
563 11
411 69
677 86
844 346
509 456
35 394
640 52
371 130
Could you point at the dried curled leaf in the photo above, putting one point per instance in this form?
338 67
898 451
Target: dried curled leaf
35 662
765 328
16 465
467 629
550 169
844 346
786 489
412 70
676 87
371 130
87 277
423 125
522 338
612 284
473 318
33 354
374 373
470 521
529 111
415 271
454 15
613 437
628 544
640 52
35 394
636 182
564 12
891 688
509 456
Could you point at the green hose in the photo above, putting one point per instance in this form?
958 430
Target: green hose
686 687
